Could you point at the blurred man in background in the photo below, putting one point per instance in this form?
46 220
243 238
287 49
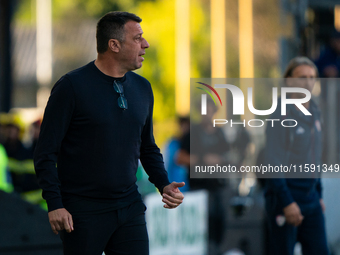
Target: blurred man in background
294 205
34 134
177 172
328 63
211 148
17 170
20 160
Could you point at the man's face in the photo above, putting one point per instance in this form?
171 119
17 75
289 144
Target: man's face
305 78
133 46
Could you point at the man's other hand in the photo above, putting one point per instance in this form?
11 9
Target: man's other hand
60 219
172 197
293 214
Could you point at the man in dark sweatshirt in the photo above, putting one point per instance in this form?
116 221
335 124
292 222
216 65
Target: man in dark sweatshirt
97 124
294 205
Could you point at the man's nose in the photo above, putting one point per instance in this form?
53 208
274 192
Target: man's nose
145 44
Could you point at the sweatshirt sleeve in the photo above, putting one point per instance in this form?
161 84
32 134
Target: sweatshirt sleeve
276 154
56 121
150 155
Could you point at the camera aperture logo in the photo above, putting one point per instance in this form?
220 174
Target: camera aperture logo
204 101
238 104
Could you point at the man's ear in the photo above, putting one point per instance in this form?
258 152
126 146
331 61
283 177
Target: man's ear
114 45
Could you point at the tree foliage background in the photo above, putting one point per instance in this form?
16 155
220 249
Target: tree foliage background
159 29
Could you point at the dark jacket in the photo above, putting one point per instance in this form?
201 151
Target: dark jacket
94 143
294 147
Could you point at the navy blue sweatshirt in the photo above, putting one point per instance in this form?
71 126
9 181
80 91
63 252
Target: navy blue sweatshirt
89 146
298 145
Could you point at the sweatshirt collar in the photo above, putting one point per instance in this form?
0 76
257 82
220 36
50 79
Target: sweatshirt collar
106 77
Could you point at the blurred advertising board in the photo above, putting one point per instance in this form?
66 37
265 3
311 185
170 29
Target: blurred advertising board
178 231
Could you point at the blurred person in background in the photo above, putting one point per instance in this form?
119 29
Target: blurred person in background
328 63
96 125
20 160
294 205
176 172
34 134
211 148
